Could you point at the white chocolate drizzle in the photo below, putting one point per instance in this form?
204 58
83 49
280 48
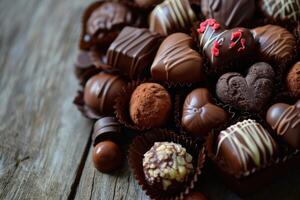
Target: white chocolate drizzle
282 8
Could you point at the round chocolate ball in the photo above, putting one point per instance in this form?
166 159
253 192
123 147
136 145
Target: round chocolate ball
293 80
167 165
150 105
101 91
107 156
195 196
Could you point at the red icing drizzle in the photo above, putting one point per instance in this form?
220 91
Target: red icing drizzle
215 50
235 38
209 22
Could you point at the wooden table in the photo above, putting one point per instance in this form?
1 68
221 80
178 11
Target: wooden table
45 148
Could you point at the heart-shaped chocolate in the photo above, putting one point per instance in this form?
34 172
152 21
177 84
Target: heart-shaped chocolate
200 115
224 47
176 61
250 93
285 121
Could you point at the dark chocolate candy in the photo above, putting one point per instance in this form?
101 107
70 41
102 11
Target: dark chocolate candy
281 9
133 51
107 156
245 146
172 16
230 13
200 115
250 93
223 47
276 44
177 62
285 121
293 80
106 128
100 92
102 22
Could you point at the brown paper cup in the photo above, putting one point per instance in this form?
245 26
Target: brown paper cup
143 143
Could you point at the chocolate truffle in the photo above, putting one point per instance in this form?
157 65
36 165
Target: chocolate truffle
177 62
285 121
150 105
293 80
230 13
133 51
224 47
102 22
195 196
276 44
107 156
245 146
147 3
100 92
250 93
281 10
172 16
167 165
200 115
106 128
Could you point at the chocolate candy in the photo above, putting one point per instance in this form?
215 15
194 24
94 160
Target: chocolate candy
285 121
102 22
245 146
100 92
107 156
166 165
276 44
281 9
200 115
251 93
195 196
224 47
147 3
106 128
83 63
172 16
176 61
150 105
133 51
230 13
293 80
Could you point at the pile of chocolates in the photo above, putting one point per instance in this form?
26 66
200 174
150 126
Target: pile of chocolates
188 75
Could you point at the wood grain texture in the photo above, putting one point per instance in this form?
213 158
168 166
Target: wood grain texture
45 148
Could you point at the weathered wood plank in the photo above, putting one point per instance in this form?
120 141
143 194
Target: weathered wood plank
42 136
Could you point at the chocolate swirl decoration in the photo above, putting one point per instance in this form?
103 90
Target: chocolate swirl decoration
172 16
281 9
133 51
246 145
285 121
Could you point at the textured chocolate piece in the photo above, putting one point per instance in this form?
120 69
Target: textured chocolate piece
293 80
177 62
285 121
200 115
100 92
166 165
133 51
150 105
107 156
172 16
281 9
223 47
106 128
245 146
276 44
102 22
147 3
250 93
229 13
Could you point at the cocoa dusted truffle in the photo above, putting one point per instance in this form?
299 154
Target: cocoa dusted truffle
100 92
285 121
107 156
293 80
245 146
167 165
150 105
